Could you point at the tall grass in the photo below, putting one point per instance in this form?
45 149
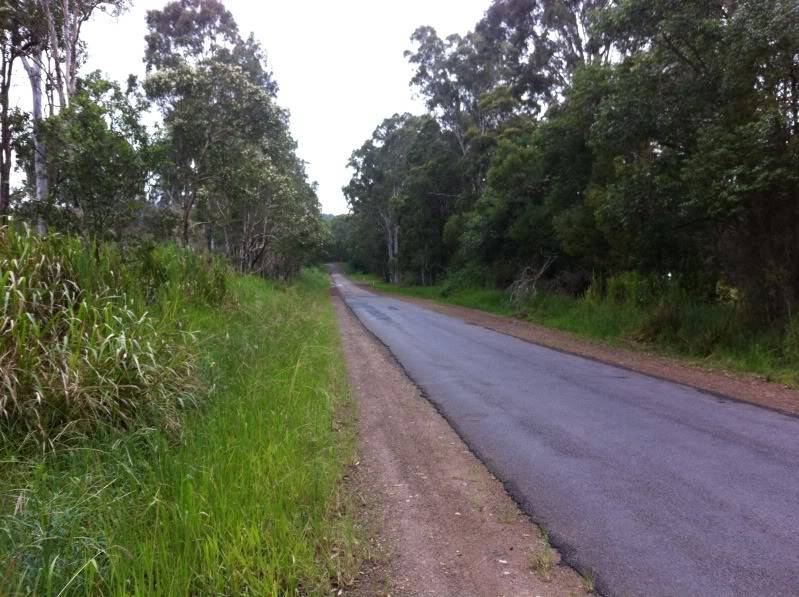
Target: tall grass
488 299
245 500
251 502
79 348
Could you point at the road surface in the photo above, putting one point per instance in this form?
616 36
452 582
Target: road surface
651 487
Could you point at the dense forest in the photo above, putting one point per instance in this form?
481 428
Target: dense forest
219 172
571 144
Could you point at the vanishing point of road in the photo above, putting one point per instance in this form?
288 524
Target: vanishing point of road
651 487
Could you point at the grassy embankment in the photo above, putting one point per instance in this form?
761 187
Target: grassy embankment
230 488
627 316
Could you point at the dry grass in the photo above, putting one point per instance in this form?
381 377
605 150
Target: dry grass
541 562
587 583
542 559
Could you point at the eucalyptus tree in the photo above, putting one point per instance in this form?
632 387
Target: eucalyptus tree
45 35
23 37
375 191
15 42
99 148
231 164
545 42
455 76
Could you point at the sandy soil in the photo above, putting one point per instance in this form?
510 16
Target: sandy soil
738 386
439 523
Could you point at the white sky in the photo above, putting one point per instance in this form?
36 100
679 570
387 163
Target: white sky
339 65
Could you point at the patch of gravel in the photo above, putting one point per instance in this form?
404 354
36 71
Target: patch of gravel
438 522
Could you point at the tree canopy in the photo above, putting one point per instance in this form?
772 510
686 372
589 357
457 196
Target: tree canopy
219 172
599 137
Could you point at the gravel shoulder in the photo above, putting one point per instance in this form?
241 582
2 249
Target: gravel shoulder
726 384
438 522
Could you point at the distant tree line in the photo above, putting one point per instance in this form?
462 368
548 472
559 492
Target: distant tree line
219 171
583 139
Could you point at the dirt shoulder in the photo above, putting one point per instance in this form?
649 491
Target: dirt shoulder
747 388
438 522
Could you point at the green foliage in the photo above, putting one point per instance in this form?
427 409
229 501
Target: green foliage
91 341
634 288
249 502
639 311
228 164
665 162
100 131
166 274
469 277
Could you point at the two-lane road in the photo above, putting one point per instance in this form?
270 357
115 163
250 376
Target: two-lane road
655 487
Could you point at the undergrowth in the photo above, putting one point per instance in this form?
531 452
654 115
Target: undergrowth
245 499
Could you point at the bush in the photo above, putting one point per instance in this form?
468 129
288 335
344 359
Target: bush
469 277
89 341
661 323
633 288
791 340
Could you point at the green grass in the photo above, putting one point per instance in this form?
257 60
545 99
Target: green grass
708 334
486 299
246 501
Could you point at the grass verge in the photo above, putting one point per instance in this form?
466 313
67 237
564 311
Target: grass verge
247 502
699 333
485 299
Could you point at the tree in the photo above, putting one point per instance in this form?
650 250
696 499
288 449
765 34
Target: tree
454 75
231 164
63 20
14 44
376 189
97 145
545 42
45 35
702 121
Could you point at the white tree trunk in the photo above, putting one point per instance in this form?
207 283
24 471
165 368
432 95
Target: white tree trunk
391 231
33 69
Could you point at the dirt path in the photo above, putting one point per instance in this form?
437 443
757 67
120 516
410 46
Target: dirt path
440 523
739 386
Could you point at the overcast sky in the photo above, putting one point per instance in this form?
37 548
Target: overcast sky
339 65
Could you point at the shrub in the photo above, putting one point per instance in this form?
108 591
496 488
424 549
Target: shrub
661 323
633 288
790 344
468 277
78 351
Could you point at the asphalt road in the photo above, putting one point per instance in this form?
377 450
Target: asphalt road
654 487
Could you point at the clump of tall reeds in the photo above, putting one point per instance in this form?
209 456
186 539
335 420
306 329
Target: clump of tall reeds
90 339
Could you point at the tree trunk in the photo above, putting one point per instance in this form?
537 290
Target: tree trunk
55 52
34 71
396 274
70 41
5 131
391 231
188 204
